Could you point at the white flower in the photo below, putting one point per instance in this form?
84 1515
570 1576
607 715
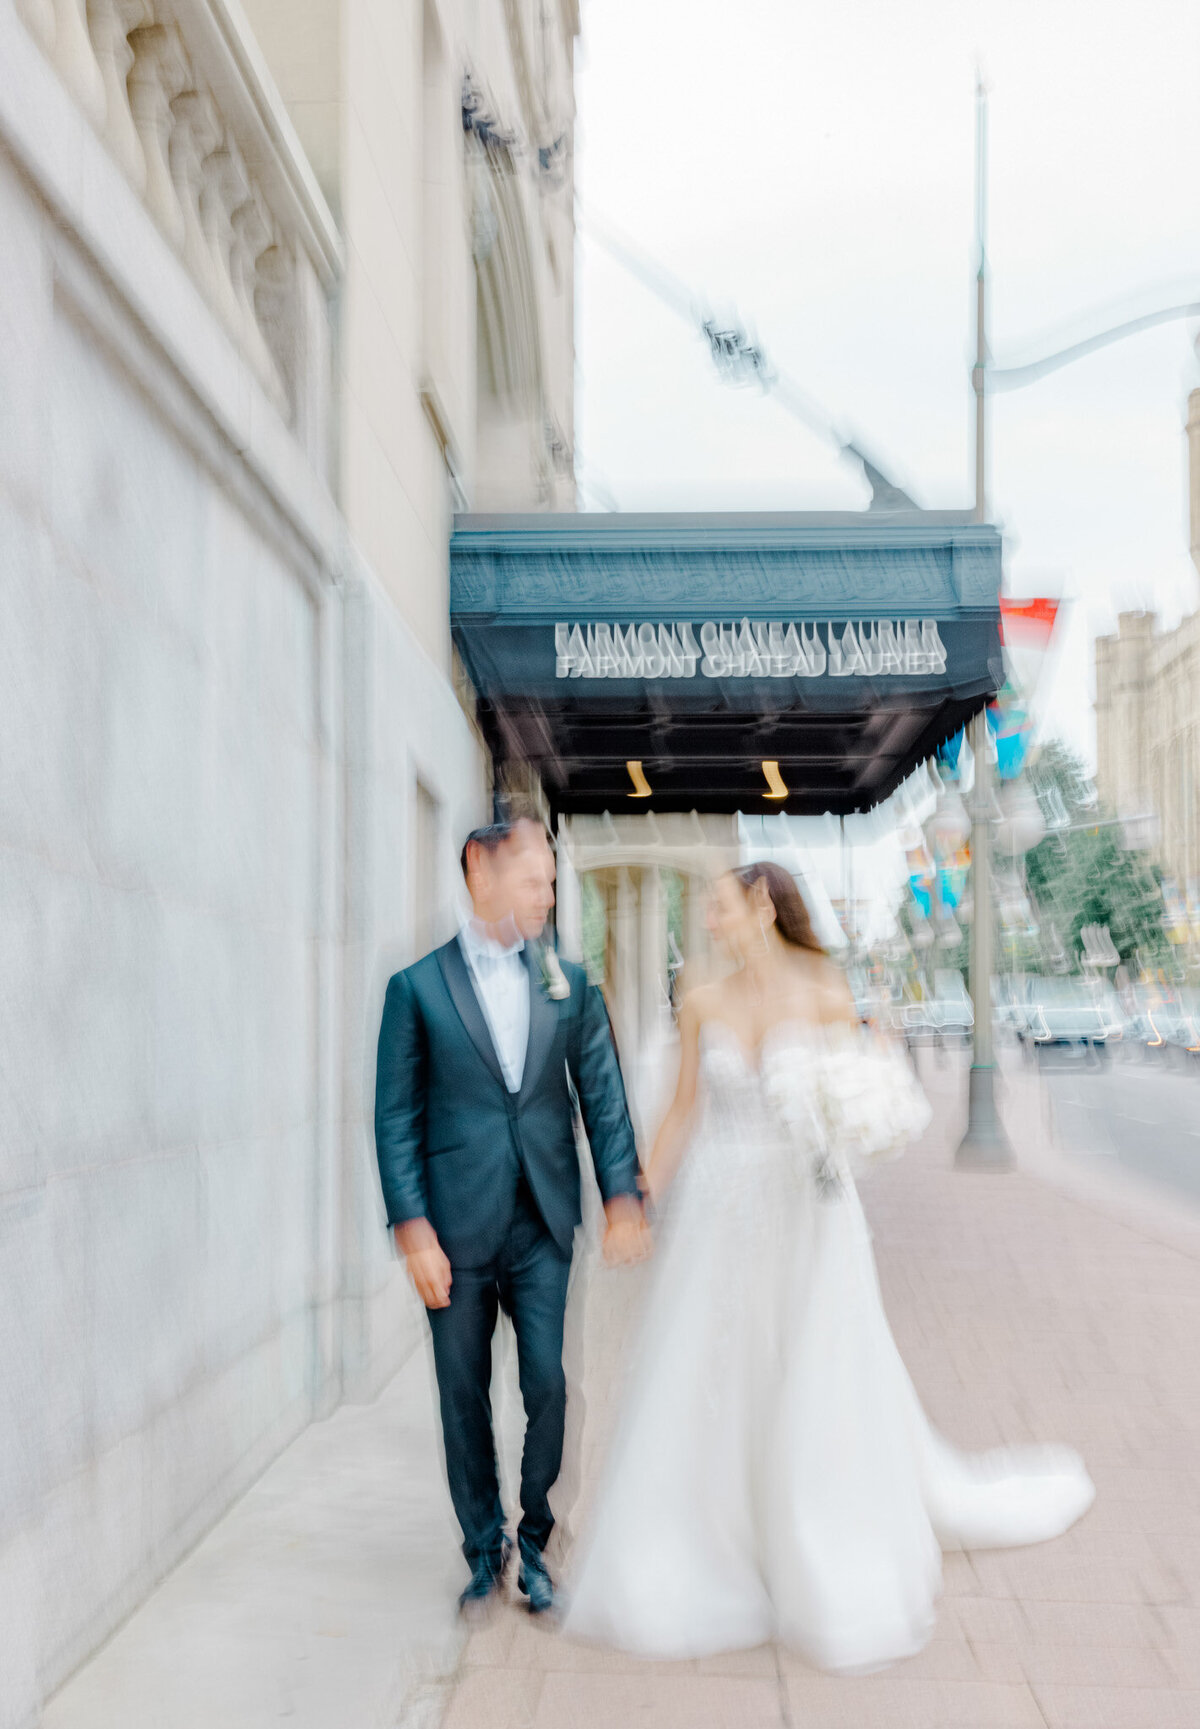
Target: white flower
554 981
857 1099
873 1103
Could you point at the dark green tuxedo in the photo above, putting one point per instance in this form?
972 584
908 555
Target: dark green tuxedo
452 1140
497 1175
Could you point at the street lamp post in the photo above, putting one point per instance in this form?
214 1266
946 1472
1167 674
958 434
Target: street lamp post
979 372
984 1146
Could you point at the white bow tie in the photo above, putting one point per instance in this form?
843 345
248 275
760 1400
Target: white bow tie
491 959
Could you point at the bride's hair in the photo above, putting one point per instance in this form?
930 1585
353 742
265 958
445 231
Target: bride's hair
791 915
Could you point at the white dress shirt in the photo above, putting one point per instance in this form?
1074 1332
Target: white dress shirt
501 981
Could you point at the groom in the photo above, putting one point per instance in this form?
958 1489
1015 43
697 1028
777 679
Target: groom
486 1047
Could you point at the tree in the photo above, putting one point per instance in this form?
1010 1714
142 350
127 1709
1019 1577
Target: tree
1080 874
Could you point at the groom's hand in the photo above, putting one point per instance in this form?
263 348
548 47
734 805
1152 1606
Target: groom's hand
428 1266
627 1236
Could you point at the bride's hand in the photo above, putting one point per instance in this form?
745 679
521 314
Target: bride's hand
652 1189
627 1236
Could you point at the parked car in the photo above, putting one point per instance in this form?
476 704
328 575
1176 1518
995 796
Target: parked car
1083 1029
1013 1017
1173 1030
943 1020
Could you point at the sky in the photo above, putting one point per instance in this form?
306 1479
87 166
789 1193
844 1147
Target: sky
810 167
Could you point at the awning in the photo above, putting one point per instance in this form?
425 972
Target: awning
840 649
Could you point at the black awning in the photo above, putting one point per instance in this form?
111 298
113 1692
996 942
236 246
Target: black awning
842 650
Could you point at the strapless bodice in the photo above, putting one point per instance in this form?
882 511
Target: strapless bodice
808 1101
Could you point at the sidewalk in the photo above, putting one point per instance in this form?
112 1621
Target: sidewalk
1052 1304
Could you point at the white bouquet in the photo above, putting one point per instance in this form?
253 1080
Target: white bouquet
855 1099
871 1101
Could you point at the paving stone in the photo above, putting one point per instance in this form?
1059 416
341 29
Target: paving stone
1117 1708
838 1703
501 1698
1090 1665
617 1701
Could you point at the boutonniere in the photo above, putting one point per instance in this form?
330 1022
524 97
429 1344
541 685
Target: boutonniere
554 981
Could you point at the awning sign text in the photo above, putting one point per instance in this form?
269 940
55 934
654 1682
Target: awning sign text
862 648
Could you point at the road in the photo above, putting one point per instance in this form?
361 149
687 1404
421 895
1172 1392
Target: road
1132 1109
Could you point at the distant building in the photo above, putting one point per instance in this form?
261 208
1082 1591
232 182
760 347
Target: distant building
1148 733
1148 715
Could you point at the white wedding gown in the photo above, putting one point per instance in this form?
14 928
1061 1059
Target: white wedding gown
774 1475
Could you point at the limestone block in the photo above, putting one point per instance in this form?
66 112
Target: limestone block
239 985
378 361
392 875
34 1407
280 1031
121 490
231 841
141 1263
293 1218
20 1582
80 1577
385 101
256 623
395 35
230 622
25 1025
148 810
255 1206
200 1451
285 632
46 718
87 1040
24 336
145 1501
384 263
288 817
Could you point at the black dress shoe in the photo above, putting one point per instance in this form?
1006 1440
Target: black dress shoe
534 1582
485 1580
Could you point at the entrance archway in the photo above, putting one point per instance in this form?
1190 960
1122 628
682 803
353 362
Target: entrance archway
632 895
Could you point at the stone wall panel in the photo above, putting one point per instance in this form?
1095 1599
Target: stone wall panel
205 824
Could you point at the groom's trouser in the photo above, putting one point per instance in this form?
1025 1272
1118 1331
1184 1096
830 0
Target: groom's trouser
528 1280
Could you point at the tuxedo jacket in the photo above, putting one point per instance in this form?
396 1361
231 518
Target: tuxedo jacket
452 1141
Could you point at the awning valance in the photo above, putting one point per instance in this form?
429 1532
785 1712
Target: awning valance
840 649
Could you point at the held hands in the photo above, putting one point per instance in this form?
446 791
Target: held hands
428 1266
651 1190
627 1236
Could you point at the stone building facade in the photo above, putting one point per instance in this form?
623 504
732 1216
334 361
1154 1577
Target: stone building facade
1148 714
1148 734
280 289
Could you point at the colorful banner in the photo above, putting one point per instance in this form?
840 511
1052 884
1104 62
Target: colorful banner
947 755
1011 728
952 878
921 879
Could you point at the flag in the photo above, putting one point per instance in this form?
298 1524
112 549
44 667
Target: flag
1027 623
1026 629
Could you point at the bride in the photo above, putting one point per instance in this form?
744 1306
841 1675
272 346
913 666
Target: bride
774 1475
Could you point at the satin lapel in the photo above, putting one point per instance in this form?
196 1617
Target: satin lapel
543 1024
462 994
